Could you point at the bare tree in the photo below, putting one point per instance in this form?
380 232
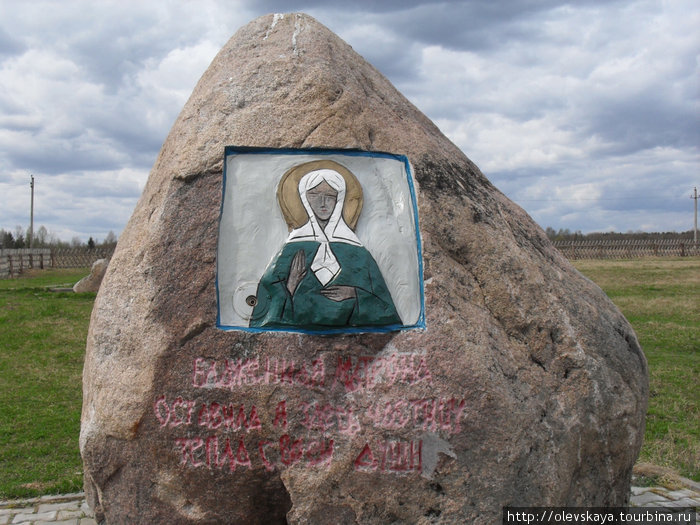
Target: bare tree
110 239
41 236
19 237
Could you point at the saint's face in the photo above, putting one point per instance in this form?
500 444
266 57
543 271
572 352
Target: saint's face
322 199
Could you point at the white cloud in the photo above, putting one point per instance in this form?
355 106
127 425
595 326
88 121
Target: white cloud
168 83
594 118
66 202
88 98
584 113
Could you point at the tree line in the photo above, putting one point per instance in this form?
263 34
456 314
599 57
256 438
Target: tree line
42 238
18 238
568 235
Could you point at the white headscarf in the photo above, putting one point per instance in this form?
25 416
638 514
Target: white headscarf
325 264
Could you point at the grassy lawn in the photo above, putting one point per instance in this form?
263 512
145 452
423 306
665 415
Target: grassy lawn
42 345
661 299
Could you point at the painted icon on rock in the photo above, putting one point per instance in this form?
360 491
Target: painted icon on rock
318 241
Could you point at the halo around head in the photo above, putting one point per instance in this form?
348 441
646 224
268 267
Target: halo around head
290 203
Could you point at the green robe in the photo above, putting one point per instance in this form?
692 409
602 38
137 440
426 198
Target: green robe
308 309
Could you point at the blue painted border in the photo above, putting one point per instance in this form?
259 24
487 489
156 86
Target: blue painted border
419 325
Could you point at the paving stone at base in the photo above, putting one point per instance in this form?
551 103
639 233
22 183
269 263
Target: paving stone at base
647 498
34 516
685 502
65 505
72 509
636 491
29 504
62 497
70 514
683 493
16 510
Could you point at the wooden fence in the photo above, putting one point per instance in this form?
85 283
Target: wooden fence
626 248
78 257
15 261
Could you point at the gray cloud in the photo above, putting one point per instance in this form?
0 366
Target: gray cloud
644 121
584 113
8 44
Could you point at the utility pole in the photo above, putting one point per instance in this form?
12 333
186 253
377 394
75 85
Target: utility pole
31 216
695 231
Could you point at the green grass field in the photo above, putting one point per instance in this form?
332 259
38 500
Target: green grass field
661 299
42 345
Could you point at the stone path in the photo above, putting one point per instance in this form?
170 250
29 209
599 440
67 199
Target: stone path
66 509
663 497
71 509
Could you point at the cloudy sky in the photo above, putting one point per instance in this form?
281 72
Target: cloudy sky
586 113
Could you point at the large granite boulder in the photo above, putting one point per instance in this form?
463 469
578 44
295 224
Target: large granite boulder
527 387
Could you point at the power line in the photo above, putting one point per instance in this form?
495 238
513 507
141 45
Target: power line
592 199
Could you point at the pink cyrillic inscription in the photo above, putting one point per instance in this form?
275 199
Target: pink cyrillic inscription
391 456
235 373
230 416
292 451
281 415
435 415
198 452
180 413
350 373
212 416
368 371
325 417
287 451
332 404
319 452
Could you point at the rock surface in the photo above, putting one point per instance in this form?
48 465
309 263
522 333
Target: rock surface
528 386
91 283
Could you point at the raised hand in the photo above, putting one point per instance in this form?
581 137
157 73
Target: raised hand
339 293
297 271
